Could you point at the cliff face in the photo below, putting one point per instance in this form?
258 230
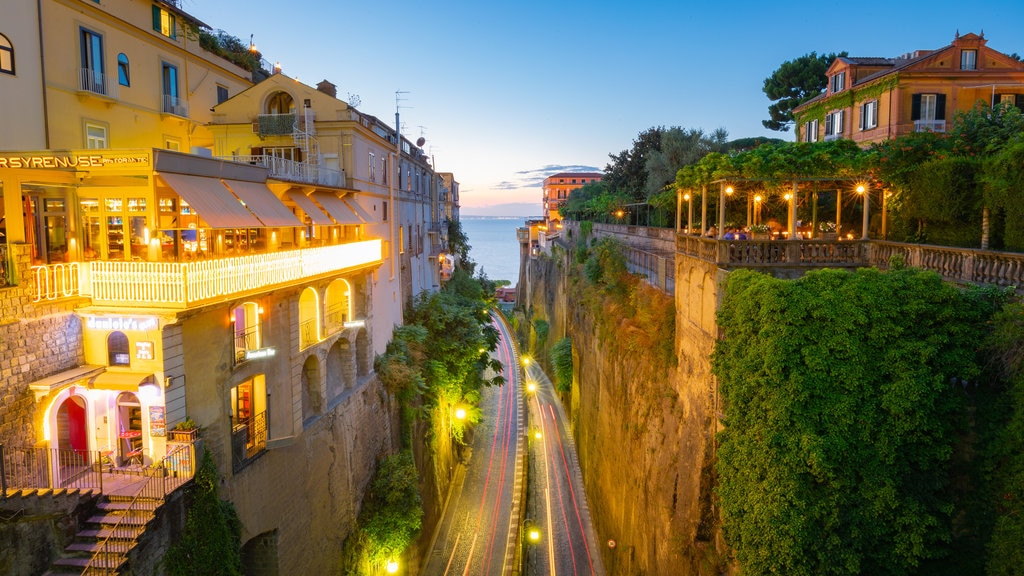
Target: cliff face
643 426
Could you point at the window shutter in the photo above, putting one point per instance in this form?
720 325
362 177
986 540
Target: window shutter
156 18
915 107
1018 100
839 121
828 125
863 112
940 107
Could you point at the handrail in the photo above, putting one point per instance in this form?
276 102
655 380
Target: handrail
126 538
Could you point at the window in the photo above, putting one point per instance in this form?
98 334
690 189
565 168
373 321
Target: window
222 93
384 169
117 349
92 78
248 420
95 136
928 112
968 59
869 115
172 104
384 211
373 167
811 131
246 318
6 55
834 125
172 144
401 239
163 22
838 82
122 70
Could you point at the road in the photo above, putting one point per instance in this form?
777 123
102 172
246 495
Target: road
480 529
557 501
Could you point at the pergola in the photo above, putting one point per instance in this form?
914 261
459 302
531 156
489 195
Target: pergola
725 190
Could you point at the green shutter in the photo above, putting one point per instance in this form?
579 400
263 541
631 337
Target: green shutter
940 107
915 107
156 18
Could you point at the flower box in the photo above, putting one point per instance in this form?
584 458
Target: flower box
184 436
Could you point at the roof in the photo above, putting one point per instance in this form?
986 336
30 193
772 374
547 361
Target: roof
577 175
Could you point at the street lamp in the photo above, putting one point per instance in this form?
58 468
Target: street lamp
533 534
531 386
460 413
757 208
392 566
863 191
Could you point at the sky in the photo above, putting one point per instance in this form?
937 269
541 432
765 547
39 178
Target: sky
507 93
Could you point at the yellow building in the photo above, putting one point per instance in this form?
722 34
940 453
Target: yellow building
178 242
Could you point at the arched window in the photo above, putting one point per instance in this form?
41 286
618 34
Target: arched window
338 304
6 55
123 77
309 318
246 318
117 349
280 103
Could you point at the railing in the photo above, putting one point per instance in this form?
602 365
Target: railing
336 315
248 440
285 169
49 468
178 285
954 264
90 80
248 339
308 333
175 105
660 269
929 125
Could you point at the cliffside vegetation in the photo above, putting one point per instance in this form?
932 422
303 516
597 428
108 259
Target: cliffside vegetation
848 447
438 360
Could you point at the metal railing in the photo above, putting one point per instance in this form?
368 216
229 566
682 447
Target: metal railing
91 80
336 315
309 334
248 440
929 125
175 105
285 169
248 339
49 468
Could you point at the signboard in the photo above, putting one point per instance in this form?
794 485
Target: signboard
122 323
157 421
144 350
76 160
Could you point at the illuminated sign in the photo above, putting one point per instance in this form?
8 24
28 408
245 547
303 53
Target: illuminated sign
76 160
261 353
355 324
140 323
144 350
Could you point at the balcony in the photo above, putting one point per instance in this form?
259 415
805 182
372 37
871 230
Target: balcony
175 105
284 169
180 285
94 82
929 125
248 440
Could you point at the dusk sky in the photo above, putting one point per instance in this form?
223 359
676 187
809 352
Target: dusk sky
508 93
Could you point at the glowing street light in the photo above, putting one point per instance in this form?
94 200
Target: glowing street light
862 190
537 435
533 534
392 566
531 386
460 413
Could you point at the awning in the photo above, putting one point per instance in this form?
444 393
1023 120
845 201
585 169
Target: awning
359 210
125 381
45 386
338 209
214 203
309 207
258 198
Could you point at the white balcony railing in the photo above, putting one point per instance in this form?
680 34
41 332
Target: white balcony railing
929 125
90 80
175 105
177 285
285 169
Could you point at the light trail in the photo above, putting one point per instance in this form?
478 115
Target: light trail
572 492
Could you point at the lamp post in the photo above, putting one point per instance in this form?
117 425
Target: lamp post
863 191
689 212
724 190
757 208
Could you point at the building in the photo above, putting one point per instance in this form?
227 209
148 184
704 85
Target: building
180 242
556 191
873 99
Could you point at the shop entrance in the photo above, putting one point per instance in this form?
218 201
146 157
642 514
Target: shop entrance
129 429
71 425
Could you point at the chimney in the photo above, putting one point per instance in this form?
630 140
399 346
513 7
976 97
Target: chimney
327 88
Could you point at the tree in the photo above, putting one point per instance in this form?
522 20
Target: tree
680 147
795 82
627 173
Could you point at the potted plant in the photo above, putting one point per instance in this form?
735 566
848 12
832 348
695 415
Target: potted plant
828 230
185 431
156 470
760 231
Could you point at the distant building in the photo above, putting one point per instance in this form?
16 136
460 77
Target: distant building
556 191
869 100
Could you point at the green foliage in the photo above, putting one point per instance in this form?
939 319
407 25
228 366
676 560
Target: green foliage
1005 454
561 360
186 424
230 48
626 175
540 331
840 418
679 147
211 542
393 513
793 83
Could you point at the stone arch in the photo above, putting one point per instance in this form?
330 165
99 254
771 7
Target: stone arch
312 400
337 304
259 555
340 368
279 102
71 425
363 354
309 318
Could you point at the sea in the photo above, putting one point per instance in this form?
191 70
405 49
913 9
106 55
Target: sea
493 244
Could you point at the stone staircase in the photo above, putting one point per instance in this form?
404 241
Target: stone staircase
102 544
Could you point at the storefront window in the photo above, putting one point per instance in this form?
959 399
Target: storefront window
117 349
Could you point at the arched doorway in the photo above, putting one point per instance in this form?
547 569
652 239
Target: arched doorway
71 425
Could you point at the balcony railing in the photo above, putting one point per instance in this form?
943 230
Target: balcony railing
929 125
90 80
180 285
284 169
248 440
175 105
248 339
309 333
49 468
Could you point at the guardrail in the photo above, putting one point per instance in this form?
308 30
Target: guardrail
49 468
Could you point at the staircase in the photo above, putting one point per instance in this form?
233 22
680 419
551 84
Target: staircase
101 546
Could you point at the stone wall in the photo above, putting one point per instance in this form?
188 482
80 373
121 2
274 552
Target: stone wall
659 508
37 339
